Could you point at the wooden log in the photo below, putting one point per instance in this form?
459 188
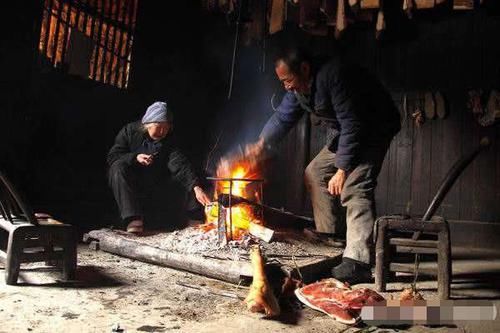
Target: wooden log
224 270
260 232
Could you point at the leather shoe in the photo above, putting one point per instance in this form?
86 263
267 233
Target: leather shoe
352 271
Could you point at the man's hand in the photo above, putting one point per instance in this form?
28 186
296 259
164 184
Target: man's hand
336 183
201 196
255 150
145 159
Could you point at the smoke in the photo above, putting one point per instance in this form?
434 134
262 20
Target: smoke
241 118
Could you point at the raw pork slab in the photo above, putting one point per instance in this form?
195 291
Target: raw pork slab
337 299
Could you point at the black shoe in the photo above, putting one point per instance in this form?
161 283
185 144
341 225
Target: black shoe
352 272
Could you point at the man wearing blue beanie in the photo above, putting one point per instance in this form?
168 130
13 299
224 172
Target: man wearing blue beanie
145 170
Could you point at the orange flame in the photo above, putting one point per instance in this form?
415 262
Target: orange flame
241 214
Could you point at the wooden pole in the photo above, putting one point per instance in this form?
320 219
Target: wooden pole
128 51
112 49
56 34
121 19
66 31
224 270
100 12
105 48
48 8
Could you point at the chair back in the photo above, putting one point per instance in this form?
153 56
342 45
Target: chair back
12 207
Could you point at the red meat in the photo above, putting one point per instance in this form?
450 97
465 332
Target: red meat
337 299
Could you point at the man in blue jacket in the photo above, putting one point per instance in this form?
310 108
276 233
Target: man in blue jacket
362 120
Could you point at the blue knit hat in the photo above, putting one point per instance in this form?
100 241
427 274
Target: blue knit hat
157 112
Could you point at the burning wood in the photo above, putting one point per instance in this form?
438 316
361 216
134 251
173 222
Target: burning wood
241 223
260 232
261 297
237 211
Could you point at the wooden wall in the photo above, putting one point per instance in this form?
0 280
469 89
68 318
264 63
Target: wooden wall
451 54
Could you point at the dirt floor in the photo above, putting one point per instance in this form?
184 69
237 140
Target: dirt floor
140 297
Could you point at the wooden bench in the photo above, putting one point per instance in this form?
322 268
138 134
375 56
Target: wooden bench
32 238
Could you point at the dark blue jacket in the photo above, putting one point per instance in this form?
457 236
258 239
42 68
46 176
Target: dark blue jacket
351 102
133 140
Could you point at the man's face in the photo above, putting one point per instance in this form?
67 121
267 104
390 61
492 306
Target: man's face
158 131
298 82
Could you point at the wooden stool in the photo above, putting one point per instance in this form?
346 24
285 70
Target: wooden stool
31 239
386 247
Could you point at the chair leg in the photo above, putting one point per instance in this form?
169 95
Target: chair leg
381 246
444 264
13 262
70 257
48 247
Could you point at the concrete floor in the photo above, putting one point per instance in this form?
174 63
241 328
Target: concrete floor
145 298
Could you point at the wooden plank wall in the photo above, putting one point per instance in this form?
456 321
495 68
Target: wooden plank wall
452 55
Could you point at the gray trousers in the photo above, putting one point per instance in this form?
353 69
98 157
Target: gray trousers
358 196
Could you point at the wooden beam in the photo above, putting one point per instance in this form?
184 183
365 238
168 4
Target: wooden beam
99 4
56 33
119 61
131 23
106 49
113 56
66 32
77 17
48 9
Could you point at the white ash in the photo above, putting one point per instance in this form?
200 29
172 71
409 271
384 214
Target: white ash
193 240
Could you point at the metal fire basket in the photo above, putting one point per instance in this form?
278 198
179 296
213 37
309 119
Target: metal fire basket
227 199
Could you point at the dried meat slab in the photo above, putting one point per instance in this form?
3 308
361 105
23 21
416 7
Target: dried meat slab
337 299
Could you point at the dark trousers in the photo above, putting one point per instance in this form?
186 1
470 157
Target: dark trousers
150 193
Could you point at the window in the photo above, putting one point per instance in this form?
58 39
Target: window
90 38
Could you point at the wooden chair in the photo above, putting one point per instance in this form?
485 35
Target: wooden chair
32 238
389 242
387 245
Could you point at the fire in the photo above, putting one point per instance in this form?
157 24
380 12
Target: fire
242 214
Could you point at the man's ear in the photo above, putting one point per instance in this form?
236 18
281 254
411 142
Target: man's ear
305 69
